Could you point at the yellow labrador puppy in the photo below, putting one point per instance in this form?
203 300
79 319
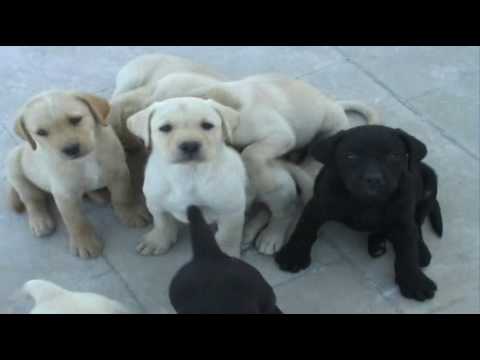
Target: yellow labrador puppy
190 164
52 299
271 116
151 78
70 150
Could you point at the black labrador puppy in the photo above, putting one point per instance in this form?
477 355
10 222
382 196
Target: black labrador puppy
373 180
215 283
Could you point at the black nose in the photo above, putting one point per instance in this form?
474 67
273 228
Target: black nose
190 147
72 150
374 179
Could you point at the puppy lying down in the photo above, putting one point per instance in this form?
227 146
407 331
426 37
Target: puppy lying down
52 299
214 283
373 180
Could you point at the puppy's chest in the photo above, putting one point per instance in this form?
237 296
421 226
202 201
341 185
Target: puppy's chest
369 219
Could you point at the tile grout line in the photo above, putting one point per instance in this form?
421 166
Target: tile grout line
125 283
369 282
407 105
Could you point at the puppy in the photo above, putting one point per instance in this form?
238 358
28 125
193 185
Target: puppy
214 283
190 163
152 78
273 115
70 150
374 181
52 299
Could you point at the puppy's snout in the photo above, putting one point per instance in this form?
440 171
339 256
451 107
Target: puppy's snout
190 147
72 150
374 179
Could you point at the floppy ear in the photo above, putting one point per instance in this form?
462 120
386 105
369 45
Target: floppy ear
22 131
417 150
139 125
323 149
230 119
100 108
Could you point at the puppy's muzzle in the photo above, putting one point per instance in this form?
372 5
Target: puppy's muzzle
190 149
374 182
72 151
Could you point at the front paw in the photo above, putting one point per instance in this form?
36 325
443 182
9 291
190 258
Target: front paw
269 242
416 286
293 259
377 245
153 244
42 224
86 246
136 215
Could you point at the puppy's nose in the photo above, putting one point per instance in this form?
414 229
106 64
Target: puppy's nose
190 147
374 179
72 150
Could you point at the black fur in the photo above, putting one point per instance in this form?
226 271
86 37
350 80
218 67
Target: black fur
373 180
214 283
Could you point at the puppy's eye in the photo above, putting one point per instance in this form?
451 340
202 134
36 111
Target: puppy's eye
42 132
165 128
207 126
75 120
352 156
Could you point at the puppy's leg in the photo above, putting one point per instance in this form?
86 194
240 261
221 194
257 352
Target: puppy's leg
129 208
295 256
421 213
282 204
83 240
230 230
162 237
412 281
35 200
377 244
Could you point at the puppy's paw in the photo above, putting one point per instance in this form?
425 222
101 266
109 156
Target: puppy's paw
86 246
153 245
136 215
42 224
377 245
416 286
424 255
292 260
268 244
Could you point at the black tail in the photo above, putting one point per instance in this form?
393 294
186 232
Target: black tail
436 219
203 241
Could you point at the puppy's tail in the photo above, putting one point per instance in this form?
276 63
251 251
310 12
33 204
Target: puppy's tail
204 244
15 202
436 218
304 181
368 112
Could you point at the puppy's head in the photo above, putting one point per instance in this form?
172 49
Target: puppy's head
185 130
370 159
62 123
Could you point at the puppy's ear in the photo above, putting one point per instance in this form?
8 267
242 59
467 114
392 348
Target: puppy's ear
22 131
417 150
139 125
323 149
100 108
230 119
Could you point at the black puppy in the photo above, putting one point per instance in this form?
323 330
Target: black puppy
214 283
373 180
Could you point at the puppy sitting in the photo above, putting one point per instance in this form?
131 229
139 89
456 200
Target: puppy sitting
190 164
214 283
53 299
70 150
373 180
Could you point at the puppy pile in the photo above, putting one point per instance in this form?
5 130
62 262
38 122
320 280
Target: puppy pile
214 149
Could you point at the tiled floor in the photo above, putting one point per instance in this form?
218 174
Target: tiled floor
432 92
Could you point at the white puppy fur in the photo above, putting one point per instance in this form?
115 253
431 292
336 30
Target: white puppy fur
52 299
152 78
69 151
273 116
190 164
